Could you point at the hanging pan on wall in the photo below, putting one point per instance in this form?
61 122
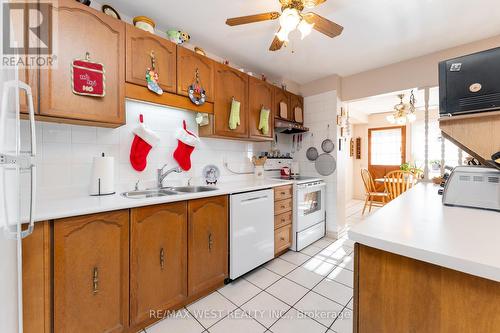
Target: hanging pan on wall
312 152
325 164
327 145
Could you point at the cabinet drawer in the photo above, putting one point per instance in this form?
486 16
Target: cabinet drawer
282 238
282 206
282 219
283 192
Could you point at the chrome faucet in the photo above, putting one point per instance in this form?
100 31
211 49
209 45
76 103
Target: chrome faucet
161 175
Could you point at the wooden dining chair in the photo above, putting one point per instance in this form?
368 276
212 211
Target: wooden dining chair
371 192
397 182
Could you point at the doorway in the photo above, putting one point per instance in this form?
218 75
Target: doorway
386 151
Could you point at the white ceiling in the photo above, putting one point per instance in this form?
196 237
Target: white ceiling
359 110
377 32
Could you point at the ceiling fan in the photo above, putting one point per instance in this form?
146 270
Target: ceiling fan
291 18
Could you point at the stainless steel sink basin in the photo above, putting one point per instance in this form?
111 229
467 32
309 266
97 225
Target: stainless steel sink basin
148 193
192 189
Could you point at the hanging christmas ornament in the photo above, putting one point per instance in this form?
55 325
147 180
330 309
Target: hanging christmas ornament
144 140
186 142
152 76
196 93
87 77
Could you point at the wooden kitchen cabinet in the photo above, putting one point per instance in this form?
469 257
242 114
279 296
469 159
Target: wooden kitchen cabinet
393 293
140 45
187 63
280 96
158 260
283 217
230 83
260 95
207 244
297 101
91 273
37 280
81 29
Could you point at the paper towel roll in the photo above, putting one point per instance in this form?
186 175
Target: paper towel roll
103 176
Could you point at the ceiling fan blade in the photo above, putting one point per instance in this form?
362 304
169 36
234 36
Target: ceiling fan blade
324 25
276 44
252 18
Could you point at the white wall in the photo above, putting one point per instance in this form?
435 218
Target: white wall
65 152
321 110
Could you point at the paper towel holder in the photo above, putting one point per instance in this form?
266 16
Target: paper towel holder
99 194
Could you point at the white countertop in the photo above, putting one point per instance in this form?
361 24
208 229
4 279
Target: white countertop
419 226
63 204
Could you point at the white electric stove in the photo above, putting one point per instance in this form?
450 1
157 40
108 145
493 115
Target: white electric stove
309 215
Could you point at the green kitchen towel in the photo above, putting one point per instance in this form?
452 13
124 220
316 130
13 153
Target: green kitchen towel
264 121
234 116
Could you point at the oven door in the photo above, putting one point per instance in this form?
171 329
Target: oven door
310 204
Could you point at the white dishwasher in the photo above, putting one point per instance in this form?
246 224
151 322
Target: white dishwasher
251 231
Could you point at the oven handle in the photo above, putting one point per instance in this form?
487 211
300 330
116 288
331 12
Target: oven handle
305 187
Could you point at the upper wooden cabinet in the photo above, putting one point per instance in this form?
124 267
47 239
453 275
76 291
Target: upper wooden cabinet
297 101
260 95
187 64
91 273
230 83
140 46
81 29
280 96
207 244
158 259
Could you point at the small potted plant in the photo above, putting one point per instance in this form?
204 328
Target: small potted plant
435 165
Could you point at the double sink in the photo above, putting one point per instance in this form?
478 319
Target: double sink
162 192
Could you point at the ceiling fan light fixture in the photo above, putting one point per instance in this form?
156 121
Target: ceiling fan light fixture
289 19
309 4
282 35
305 28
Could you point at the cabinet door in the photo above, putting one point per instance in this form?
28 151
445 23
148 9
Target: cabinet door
187 63
297 101
91 273
140 45
230 83
81 29
37 277
260 95
207 244
158 259
281 95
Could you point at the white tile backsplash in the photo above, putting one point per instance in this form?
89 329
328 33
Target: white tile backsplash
65 152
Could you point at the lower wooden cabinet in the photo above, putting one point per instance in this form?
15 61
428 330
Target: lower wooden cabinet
37 280
91 273
158 260
207 244
121 271
283 216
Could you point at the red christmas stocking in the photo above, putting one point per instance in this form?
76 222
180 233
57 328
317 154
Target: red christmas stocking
186 142
144 140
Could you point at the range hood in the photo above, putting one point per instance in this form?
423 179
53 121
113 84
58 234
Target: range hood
288 127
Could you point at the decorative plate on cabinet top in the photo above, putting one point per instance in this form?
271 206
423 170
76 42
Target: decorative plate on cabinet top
211 174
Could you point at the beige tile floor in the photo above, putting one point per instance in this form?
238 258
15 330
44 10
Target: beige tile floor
308 291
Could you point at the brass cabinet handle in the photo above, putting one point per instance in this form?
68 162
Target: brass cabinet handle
283 193
282 238
95 281
162 258
210 242
283 206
